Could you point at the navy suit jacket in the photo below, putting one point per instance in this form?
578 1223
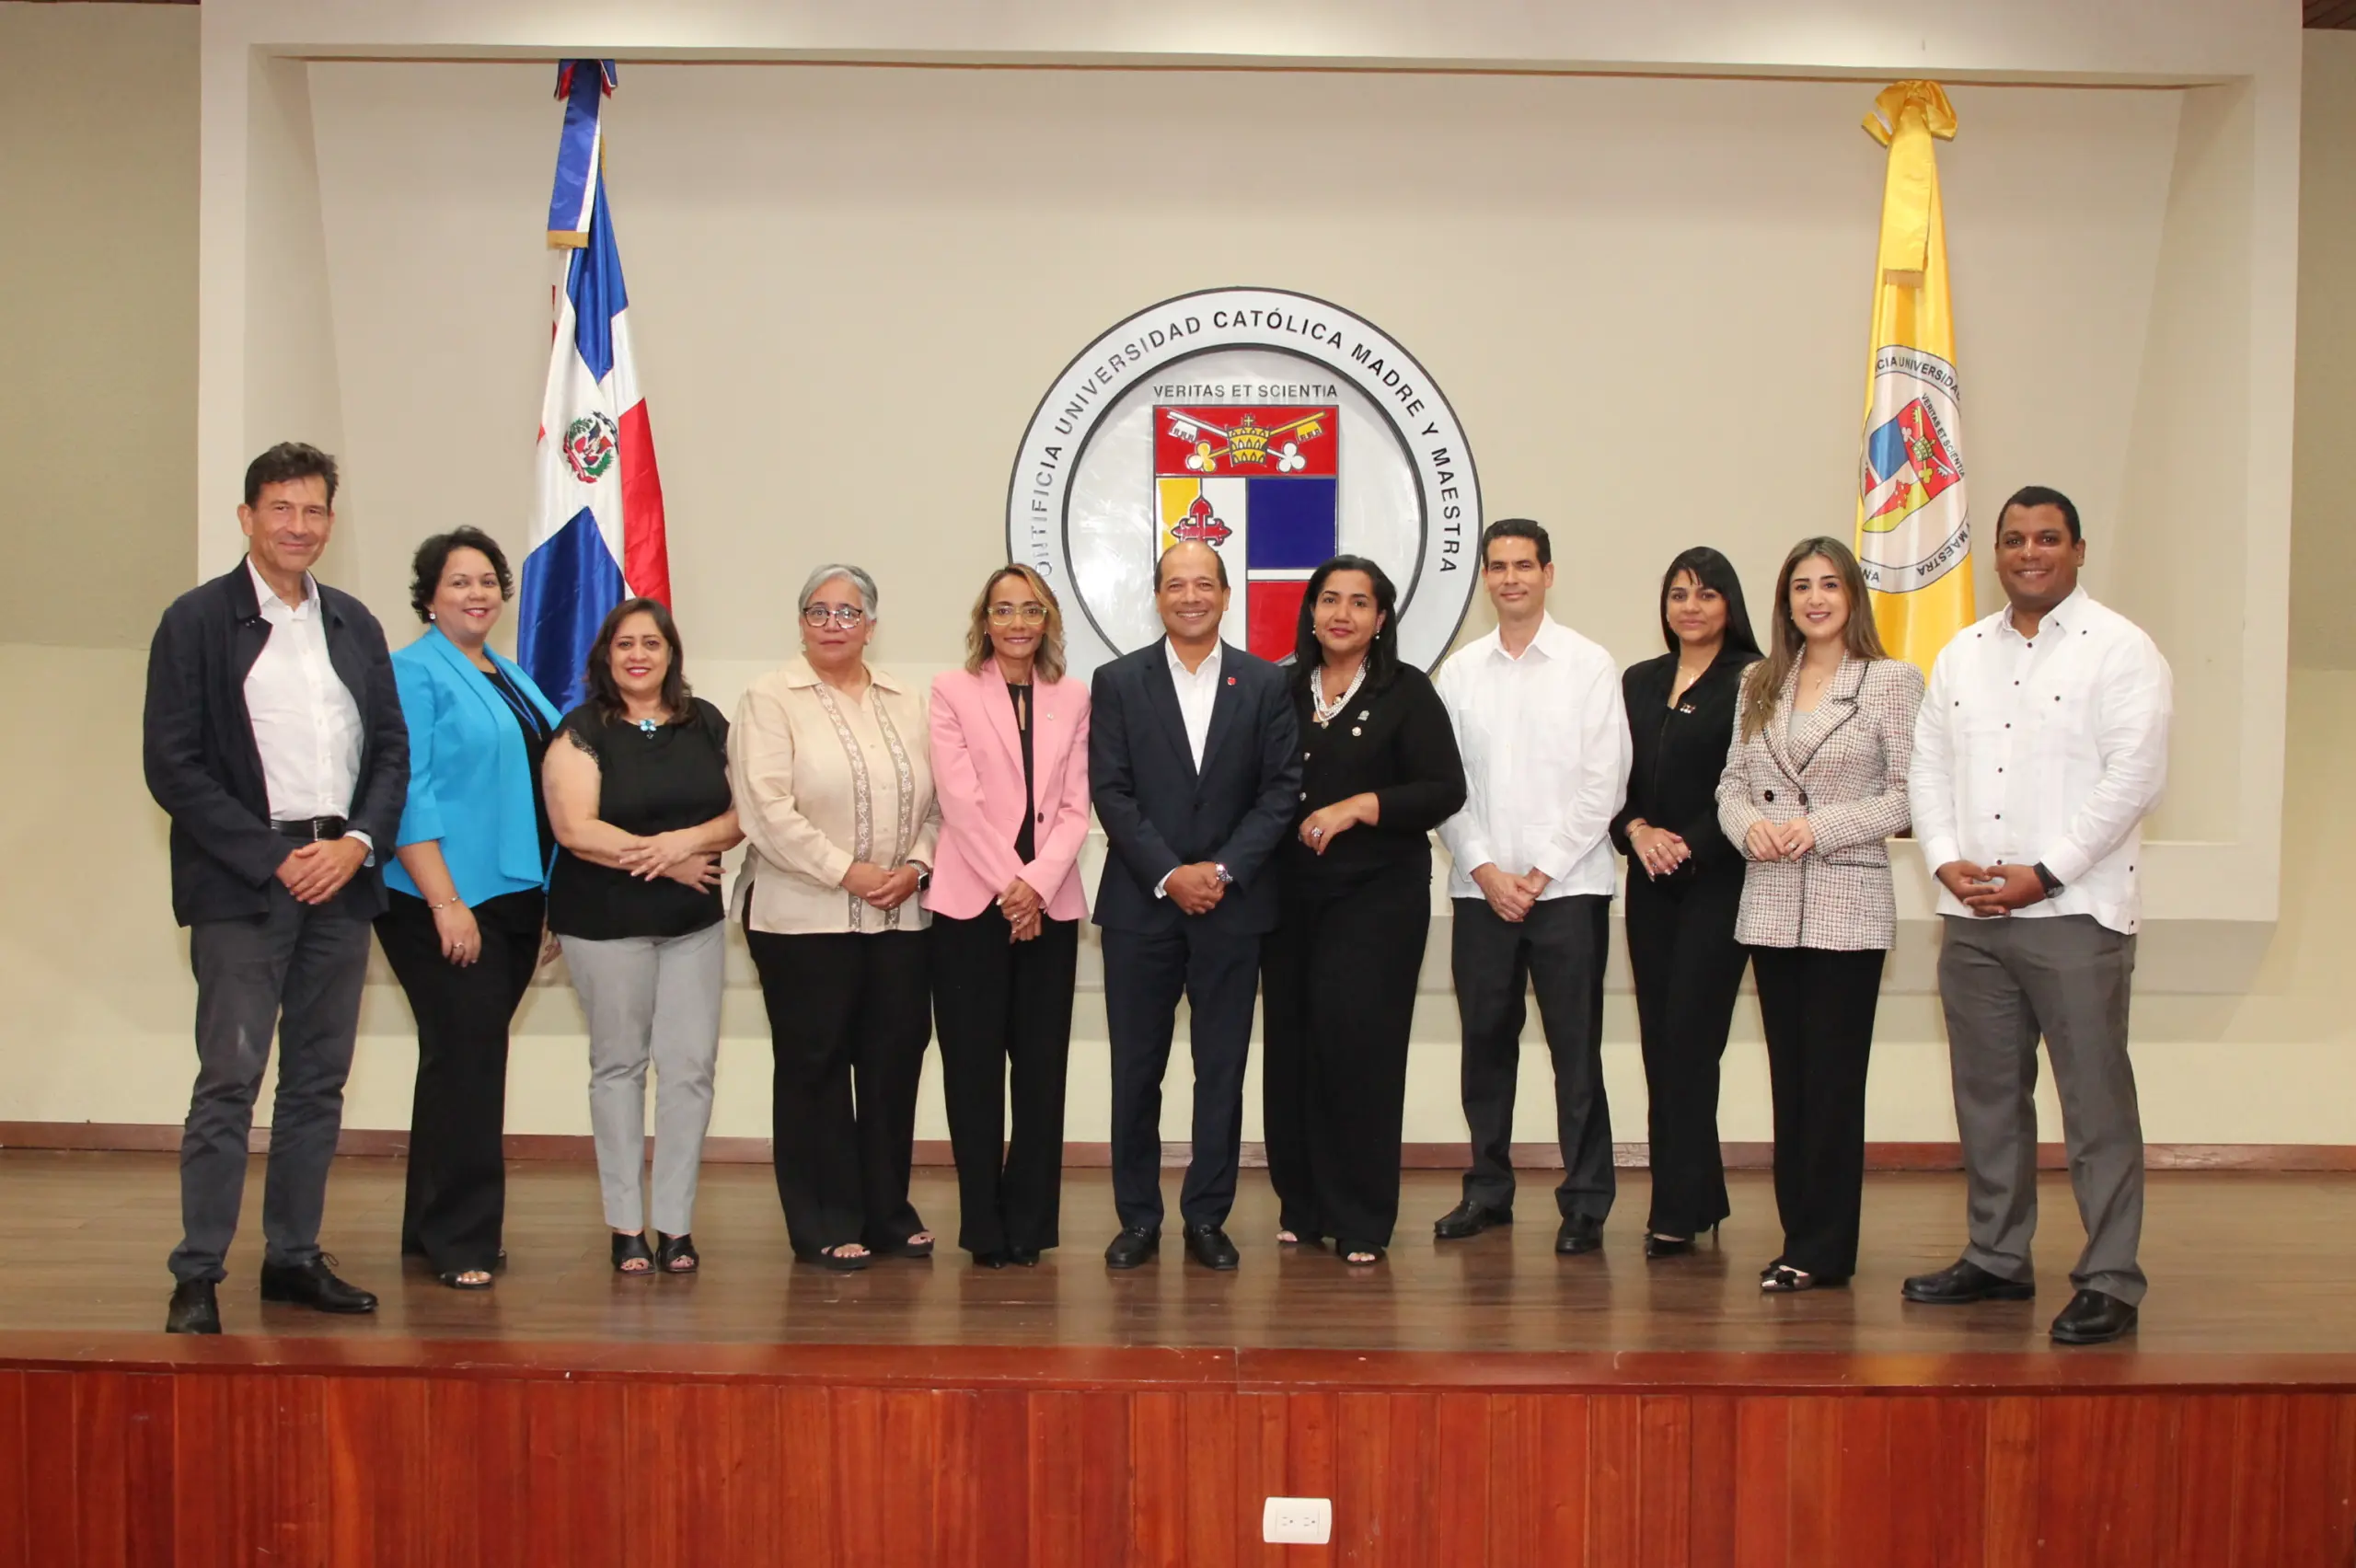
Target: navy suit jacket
1159 812
204 769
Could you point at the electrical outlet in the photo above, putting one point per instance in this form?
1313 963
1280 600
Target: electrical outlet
1304 1521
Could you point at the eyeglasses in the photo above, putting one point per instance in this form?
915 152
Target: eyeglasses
815 616
1029 615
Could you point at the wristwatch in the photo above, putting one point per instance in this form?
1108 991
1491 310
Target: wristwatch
2052 884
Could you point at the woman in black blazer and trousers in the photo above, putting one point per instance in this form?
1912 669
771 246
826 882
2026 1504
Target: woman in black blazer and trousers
1379 770
1685 885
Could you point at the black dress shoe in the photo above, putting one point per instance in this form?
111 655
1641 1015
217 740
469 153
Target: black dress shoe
1023 1257
1469 1219
314 1285
1964 1282
1211 1248
1580 1233
1134 1247
991 1259
193 1309
2093 1318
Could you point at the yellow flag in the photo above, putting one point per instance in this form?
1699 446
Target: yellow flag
1913 527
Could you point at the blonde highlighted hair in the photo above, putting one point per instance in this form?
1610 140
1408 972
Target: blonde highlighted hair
1764 682
1048 665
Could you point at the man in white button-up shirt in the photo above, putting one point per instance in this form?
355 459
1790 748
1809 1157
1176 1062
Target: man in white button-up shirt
274 740
1544 737
2039 749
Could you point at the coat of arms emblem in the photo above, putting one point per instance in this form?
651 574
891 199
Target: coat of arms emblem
1259 485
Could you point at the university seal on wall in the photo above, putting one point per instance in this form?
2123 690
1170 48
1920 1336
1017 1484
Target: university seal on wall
1276 428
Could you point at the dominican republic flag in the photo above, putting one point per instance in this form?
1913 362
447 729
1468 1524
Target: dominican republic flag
1261 486
598 535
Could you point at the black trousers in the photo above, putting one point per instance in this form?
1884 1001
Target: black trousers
1003 1007
845 1011
1145 973
1818 1010
1559 951
1688 968
1338 993
457 1197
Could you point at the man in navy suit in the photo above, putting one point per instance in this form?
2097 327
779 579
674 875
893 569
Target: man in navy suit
1193 760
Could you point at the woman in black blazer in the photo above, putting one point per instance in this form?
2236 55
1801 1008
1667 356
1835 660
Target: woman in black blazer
1379 770
1685 884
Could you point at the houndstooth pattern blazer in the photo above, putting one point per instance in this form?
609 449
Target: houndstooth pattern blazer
1848 779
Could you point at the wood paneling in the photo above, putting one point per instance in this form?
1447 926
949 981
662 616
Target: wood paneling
466 1465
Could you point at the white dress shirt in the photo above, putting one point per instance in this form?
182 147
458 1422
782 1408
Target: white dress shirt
305 724
1197 696
1544 739
2050 750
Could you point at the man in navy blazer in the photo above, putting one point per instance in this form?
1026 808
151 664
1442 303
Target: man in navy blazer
274 740
1193 762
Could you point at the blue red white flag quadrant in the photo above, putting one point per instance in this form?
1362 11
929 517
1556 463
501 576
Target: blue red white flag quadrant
1259 484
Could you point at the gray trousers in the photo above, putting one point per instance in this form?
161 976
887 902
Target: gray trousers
650 998
297 971
2004 982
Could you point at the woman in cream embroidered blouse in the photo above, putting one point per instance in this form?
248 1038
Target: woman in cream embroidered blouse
828 762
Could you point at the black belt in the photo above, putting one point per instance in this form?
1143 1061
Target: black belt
309 829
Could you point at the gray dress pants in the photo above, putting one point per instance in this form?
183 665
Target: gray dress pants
650 998
2004 983
295 971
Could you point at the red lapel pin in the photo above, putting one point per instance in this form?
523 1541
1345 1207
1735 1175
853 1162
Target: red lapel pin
1230 680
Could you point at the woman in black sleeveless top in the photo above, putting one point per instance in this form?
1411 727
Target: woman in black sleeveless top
638 793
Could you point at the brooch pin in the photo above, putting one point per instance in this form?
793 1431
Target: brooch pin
1356 730
1364 713
1230 680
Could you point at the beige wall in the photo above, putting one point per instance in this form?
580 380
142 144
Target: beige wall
98 317
1582 262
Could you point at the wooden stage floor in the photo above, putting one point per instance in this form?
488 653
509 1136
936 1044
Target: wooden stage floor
1481 1403
2241 1263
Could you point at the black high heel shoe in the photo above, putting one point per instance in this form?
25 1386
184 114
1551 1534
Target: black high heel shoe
629 1250
1658 1246
676 1254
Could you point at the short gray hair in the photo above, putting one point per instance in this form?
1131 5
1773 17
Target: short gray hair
828 574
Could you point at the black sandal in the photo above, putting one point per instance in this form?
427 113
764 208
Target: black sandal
905 1248
838 1263
456 1279
676 1254
629 1250
1346 1251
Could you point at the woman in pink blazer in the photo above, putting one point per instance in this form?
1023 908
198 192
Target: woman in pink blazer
1010 762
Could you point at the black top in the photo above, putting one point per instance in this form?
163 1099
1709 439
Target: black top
1026 841
1678 754
654 782
205 771
526 714
1395 741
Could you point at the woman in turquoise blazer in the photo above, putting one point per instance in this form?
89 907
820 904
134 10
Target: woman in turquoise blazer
465 925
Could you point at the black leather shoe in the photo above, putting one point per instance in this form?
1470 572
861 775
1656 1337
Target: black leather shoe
193 1309
2093 1318
1134 1247
991 1259
1666 1246
1211 1248
1964 1282
314 1285
1469 1219
1579 1234
1023 1257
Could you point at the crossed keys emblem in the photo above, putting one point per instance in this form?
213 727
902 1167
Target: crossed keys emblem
1249 442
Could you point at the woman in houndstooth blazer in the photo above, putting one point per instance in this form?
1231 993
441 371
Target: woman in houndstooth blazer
1815 781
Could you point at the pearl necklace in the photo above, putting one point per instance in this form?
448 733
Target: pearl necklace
1323 710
